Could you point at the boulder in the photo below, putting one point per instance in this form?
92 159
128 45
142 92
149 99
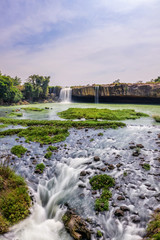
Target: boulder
76 226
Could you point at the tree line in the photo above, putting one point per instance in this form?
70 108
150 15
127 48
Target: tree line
12 90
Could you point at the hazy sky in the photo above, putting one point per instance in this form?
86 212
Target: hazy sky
80 41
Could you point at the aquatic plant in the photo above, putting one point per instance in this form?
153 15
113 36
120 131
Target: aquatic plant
53 131
52 148
156 118
105 114
99 234
33 109
48 155
40 167
18 150
154 226
146 166
103 182
15 114
3 125
14 198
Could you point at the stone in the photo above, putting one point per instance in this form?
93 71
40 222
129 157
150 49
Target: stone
96 158
120 198
142 196
76 226
139 146
136 219
124 208
119 213
83 173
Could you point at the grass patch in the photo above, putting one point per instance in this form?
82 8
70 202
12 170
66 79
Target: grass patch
153 229
3 125
48 155
18 150
47 132
14 198
156 118
15 114
40 167
52 148
103 182
146 166
33 109
104 114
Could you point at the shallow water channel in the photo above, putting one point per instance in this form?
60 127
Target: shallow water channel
136 190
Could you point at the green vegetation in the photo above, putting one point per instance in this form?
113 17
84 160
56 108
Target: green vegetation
155 81
99 234
36 88
153 229
52 148
103 182
92 139
100 134
33 109
48 155
105 114
156 118
3 125
125 173
18 150
40 167
146 166
53 131
15 114
14 198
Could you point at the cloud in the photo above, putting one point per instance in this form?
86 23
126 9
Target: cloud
102 47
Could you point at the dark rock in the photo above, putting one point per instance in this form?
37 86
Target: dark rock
142 196
76 226
119 165
120 198
124 208
132 147
136 219
119 213
136 153
139 146
81 185
38 171
83 173
96 158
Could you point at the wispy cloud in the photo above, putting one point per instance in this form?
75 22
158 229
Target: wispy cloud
81 42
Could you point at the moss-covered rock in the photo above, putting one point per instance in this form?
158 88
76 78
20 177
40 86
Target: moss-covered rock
18 150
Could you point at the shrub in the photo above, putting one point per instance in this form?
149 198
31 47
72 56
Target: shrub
18 150
52 148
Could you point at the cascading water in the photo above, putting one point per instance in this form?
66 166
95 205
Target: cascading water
62 182
96 94
65 95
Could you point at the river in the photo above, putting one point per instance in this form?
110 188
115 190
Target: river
62 182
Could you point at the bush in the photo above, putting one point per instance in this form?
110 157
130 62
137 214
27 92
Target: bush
18 150
146 166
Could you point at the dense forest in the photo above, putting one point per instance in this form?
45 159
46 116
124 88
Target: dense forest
12 90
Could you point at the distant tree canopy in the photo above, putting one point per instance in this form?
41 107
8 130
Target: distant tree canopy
9 93
36 87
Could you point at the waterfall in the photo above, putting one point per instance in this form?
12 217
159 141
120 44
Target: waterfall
66 94
96 94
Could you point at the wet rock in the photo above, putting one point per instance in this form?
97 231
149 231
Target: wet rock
96 158
120 198
132 147
81 185
83 173
103 169
119 165
34 161
124 208
119 213
38 171
110 166
139 146
41 145
136 153
94 192
76 226
135 219
142 196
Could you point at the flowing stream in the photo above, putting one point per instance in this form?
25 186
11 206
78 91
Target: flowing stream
62 182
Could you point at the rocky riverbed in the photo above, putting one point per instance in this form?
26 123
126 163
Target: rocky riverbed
119 153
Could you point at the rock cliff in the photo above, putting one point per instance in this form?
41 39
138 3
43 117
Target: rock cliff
127 93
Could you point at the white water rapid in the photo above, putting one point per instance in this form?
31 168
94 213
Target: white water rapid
66 95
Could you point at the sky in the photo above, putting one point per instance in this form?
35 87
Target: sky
80 42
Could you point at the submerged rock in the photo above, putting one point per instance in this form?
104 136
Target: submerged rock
96 158
76 226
